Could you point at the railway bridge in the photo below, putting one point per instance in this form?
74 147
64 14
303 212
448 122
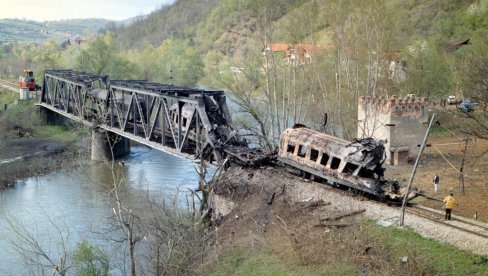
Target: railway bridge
186 122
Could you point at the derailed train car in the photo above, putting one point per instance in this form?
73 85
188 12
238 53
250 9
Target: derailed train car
335 161
222 135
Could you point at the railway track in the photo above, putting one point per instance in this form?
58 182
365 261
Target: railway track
9 85
479 229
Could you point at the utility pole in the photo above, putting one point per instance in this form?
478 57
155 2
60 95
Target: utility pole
461 171
422 147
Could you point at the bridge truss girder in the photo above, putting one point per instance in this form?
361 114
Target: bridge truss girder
66 90
182 121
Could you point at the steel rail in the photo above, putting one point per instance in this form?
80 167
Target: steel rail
9 85
424 213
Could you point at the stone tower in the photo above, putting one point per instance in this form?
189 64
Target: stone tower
400 121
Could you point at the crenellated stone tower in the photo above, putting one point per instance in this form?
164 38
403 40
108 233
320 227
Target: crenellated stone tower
401 121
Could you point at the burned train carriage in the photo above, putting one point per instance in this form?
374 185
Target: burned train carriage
223 139
338 161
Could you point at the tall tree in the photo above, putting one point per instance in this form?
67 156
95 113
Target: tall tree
180 63
429 73
475 71
102 57
363 33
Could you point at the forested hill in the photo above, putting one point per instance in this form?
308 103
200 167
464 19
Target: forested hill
341 47
176 20
221 23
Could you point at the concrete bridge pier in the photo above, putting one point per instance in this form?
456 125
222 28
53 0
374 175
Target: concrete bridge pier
53 118
107 146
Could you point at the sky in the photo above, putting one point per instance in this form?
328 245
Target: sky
42 10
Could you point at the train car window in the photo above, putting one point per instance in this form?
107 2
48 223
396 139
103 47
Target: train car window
314 154
291 147
366 173
325 159
350 168
335 163
302 151
184 122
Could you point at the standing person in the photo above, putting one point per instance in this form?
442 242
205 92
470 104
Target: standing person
436 183
450 202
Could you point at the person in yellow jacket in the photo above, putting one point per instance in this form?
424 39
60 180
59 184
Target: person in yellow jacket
449 202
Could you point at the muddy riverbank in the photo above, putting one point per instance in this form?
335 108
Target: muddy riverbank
25 157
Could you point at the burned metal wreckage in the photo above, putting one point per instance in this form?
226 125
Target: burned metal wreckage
339 162
222 138
196 123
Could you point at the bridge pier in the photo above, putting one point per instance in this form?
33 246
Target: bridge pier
53 118
108 146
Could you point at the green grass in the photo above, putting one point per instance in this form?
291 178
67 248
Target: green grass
26 116
442 258
425 257
64 133
6 97
263 262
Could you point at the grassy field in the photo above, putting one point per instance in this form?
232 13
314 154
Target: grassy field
25 116
6 97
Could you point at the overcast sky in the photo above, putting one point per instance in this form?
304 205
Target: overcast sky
41 10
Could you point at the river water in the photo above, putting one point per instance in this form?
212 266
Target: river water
75 200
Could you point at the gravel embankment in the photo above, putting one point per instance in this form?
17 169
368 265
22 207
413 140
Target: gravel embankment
377 211
298 190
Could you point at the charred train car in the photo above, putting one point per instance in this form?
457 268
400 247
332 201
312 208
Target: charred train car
222 134
338 162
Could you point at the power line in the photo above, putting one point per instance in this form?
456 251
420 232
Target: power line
448 162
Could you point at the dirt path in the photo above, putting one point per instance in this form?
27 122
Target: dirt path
444 156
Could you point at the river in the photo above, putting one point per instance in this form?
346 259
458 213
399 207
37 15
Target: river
75 199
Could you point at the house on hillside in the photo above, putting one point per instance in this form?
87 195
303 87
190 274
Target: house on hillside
277 47
303 53
298 54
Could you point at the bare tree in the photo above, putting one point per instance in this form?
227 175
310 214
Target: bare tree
475 70
40 254
363 36
125 220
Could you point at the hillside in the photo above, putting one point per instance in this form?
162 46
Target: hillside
20 30
175 21
222 25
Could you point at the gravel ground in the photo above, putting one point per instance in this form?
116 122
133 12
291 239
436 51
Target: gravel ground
300 190
267 180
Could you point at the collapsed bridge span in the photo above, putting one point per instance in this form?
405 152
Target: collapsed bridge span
187 122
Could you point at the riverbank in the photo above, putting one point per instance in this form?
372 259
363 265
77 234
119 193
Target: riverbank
28 147
33 156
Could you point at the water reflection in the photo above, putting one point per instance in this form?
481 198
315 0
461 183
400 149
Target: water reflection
76 199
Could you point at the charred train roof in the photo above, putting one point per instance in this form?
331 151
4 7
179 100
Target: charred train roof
365 152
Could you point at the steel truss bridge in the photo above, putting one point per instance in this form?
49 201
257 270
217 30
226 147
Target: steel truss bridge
190 123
